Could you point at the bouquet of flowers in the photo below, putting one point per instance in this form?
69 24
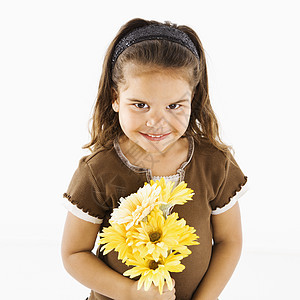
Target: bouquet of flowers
147 237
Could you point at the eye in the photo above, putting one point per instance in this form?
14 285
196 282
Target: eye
173 106
141 105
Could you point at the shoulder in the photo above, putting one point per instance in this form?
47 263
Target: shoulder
207 155
101 159
109 171
100 165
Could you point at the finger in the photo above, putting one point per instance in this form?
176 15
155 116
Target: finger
173 297
173 282
166 287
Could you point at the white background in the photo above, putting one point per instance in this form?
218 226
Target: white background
50 64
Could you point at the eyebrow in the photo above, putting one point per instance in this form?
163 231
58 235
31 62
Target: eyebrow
141 101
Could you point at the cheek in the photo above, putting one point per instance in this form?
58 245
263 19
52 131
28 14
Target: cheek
128 120
181 119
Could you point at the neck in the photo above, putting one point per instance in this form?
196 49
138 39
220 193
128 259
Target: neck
168 160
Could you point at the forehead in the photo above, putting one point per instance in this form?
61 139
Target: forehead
152 83
134 70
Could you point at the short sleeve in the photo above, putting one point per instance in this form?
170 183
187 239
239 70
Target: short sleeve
83 197
232 188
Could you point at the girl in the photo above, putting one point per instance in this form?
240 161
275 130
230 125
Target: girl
153 118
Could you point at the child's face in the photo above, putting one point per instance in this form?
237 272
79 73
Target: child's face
154 107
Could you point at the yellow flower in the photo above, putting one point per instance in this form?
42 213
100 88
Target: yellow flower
136 206
152 271
169 197
186 235
156 236
114 237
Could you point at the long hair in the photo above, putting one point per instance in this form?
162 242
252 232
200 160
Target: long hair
203 125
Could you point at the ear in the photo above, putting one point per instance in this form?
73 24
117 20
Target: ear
115 106
115 102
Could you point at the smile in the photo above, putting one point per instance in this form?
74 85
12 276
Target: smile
154 137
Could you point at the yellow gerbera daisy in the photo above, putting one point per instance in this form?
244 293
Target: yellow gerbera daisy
169 197
114 237
186 234
156 236
152 271
136 206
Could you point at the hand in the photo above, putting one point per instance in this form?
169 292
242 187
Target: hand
152 293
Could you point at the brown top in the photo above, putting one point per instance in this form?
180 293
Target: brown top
104 176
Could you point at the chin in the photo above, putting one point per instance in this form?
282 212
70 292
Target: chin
157 147
154 149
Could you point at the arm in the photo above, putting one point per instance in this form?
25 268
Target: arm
77 243
227 234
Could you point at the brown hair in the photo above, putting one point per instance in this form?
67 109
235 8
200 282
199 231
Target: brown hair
203 125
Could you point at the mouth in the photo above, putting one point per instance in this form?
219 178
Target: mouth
154 137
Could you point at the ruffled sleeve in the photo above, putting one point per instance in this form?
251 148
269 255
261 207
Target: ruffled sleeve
83 197
232 188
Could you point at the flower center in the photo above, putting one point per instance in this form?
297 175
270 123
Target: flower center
154 236
153 264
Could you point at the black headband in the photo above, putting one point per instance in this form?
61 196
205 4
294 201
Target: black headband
153 32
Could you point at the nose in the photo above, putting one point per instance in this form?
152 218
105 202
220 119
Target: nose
156 120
